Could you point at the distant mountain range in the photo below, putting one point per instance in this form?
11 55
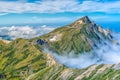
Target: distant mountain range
24 59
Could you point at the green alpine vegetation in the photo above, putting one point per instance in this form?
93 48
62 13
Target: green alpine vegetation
24 59
78 37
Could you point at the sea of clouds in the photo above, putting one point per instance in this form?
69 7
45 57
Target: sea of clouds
27 32
105 54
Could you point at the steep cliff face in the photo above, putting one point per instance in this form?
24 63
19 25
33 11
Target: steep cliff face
78 37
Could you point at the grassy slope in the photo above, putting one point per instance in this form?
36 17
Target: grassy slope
78 39
20 58
23 60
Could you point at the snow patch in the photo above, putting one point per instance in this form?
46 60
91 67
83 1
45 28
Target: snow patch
54 38
80 21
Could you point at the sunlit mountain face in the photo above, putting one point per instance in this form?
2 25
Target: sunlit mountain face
82 43
59 40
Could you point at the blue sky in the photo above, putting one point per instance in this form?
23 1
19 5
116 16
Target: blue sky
58 12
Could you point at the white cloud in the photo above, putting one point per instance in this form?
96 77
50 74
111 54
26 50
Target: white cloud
2 14
14 32
51 19
106 54
50 6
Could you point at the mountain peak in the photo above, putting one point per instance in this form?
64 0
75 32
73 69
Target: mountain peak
84 19
77 37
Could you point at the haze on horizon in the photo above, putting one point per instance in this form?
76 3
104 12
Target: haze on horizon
59 12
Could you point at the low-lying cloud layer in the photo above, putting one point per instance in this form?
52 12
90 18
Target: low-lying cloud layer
14 32
106 54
